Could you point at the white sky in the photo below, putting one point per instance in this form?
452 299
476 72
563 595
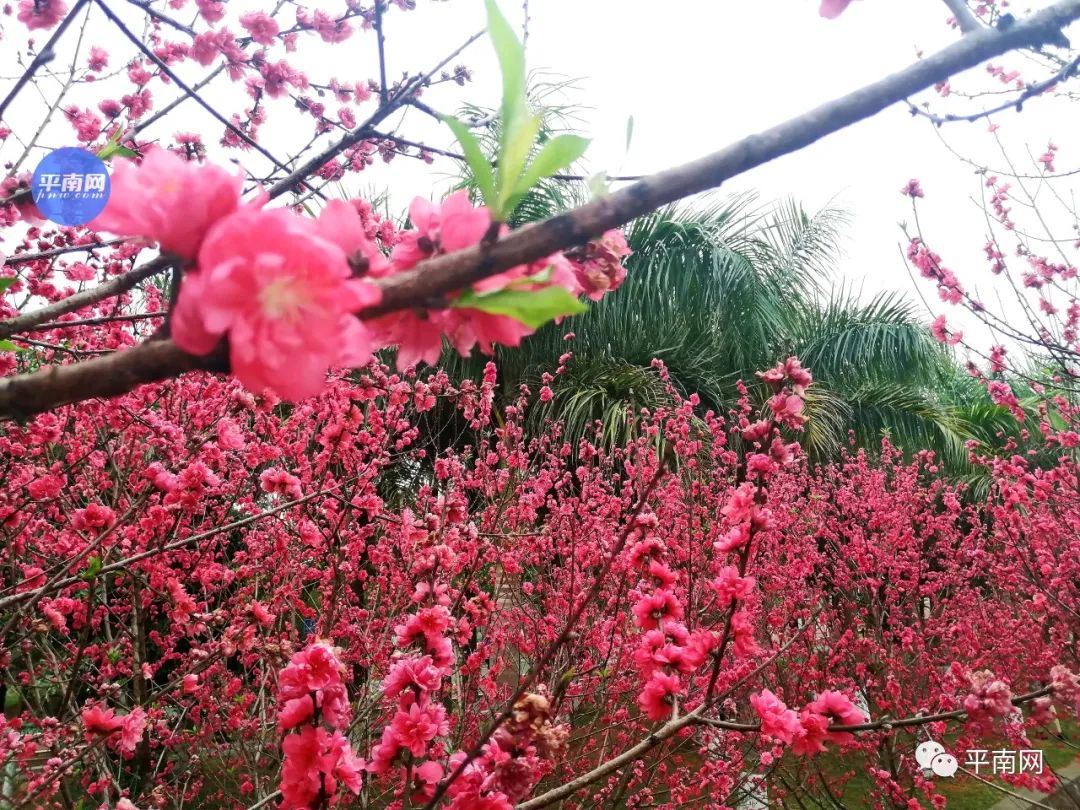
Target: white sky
695 75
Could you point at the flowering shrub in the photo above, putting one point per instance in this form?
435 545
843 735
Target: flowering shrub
217 596
287 584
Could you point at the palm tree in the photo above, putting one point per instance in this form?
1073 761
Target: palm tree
724 288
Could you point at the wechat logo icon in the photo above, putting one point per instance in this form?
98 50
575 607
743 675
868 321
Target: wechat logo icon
932 757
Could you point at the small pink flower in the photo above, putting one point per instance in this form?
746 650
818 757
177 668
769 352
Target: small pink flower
411 673
912 189
450 226
99 59
988 698
418 725
729 586
169 200
99 721
650 611
131 729
261 614
829 708
598 266
262 27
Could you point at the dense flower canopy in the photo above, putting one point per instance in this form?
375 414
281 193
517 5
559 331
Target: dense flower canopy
261 549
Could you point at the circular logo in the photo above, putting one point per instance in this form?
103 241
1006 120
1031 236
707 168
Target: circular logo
71 186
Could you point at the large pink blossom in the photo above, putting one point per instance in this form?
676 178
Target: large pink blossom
657 699
41 13
169 200
283 293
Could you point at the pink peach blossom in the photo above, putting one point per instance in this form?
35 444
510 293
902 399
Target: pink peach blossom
777 720
41 13
283 294
169 200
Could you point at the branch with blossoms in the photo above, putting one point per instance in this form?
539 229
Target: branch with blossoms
457 267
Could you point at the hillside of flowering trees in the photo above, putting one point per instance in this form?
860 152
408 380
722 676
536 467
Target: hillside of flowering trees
264 545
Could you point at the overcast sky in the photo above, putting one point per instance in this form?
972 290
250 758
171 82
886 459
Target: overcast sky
697 74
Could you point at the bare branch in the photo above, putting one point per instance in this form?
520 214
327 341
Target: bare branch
44 56
365 129
384 89
1067 72
116 374
25 258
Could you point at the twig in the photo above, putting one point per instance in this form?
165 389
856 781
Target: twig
145 6
1017 103
44 56
143 316
383 87
363 131
23 258
624 178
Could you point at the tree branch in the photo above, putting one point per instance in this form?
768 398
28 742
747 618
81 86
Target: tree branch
44 56
364 131
114 286
967 21
110 376
1067 72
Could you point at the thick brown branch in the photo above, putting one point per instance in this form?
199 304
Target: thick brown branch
108 376
451 272
116 374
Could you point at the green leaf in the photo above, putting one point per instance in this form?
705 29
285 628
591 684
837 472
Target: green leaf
511 56
512 159
93 566
629 131
518 128
113 147
533 309
475 158
557 154
8 346
598 185
7 282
